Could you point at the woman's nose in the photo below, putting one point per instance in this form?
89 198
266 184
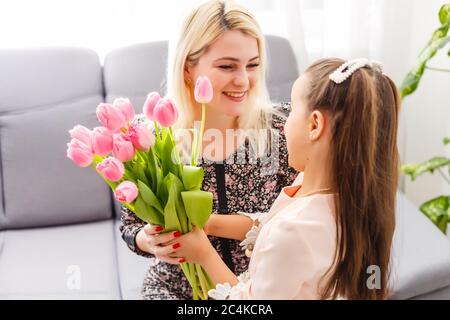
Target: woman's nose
241 79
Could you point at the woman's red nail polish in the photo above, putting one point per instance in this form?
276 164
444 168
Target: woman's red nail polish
182 260
177 234
176 245
159 228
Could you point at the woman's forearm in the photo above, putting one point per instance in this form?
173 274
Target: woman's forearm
228 226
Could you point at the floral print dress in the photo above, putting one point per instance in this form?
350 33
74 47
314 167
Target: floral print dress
237 186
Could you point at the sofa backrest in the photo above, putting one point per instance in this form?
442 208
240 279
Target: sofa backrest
43 93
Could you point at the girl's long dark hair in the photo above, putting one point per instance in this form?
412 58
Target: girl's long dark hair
364 111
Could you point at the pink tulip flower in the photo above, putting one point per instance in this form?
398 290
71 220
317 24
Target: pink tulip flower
125 106
165 113
79 153
82 134
111 117
102 141
150 103
123 149
203 90
141 136
111 168
126 192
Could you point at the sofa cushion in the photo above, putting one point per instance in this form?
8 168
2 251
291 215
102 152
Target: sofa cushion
66 262
131 267
42 186
44 93
420 255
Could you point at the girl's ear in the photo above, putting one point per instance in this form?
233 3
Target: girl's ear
316 125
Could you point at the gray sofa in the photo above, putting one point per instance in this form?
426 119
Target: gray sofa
59 236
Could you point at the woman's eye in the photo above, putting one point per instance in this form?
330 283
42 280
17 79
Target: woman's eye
253 65
226 67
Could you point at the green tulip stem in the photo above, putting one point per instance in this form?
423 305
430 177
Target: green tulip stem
198 148
203 281
202 130
155 124
177 155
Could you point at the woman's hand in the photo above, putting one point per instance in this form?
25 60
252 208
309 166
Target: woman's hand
151 239
192 247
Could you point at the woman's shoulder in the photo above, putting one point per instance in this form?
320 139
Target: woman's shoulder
280 113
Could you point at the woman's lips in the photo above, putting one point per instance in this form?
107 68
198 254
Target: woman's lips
235 96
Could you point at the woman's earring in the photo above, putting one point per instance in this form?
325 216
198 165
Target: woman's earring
311 135
187 81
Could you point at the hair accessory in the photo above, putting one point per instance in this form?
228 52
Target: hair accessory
339 75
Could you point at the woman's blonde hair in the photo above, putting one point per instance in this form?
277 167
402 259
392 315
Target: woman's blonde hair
201 28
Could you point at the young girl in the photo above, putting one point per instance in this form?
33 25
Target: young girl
319 238
221 40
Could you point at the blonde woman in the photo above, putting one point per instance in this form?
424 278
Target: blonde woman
244 149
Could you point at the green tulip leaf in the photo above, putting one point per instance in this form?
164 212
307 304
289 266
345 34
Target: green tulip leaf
192 177
171 220
151 168
149 197
139 169
438 211
177 188
168 164
147 213
198 205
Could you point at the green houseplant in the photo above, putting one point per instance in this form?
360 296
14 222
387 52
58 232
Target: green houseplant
437 209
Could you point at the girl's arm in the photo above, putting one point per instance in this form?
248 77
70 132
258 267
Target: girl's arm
232 226
217 270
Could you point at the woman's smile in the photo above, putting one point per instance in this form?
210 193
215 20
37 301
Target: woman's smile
236 96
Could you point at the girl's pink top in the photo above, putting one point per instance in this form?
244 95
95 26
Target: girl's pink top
294 249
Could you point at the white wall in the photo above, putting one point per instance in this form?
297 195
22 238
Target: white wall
426 113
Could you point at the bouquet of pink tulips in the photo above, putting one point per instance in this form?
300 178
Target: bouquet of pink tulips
143 168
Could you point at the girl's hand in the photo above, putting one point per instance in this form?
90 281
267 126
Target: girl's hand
191 247
151 239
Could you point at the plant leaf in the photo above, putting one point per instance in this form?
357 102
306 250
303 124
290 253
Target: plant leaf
446 141
438 210
438 40
198 205
444 14
415 170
